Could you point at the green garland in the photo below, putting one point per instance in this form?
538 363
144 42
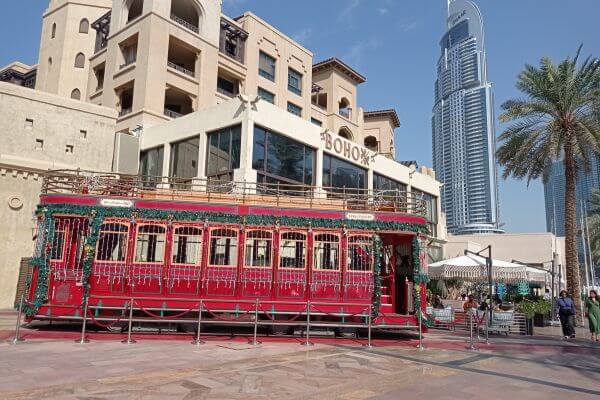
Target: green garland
97 215
376 275
419 277
42 263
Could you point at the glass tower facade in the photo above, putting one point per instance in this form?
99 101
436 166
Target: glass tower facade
463 125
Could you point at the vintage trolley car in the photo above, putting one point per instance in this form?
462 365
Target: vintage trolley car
160 246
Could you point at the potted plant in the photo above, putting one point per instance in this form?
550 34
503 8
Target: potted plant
528 308
542 310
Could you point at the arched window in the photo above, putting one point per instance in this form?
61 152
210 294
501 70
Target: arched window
345 133
259 249
112 242
360 253
76 94
84 26
186 13
53 35
292 250
49 63
344 108
80 60
326 251
223 247
134 9
187 245
371 143
150 243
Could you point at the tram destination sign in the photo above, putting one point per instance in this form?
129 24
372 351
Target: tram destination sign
116 203
360 216
347 149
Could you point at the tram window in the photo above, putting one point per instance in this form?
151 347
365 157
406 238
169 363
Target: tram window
360 253
326 252
223 247
112 242
150 244
187 243
259 245
292 250
58 241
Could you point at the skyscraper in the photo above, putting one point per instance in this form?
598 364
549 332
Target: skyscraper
463 125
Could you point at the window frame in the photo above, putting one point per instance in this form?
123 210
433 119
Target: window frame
231 165
137 232
350 244
293 74
200 247
330 186
266 74
305 241
237 253
293 105
272 95
127 237
60 225
271 239
84 29
339 250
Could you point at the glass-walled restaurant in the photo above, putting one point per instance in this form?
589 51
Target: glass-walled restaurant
280 162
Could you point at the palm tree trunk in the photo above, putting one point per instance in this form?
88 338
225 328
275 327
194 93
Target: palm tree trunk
572 267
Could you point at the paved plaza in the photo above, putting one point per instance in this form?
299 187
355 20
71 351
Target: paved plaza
50 365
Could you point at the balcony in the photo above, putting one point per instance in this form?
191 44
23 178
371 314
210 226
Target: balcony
125 111
177 103
181 69
182 57
232 40
102 28
172 114
184 23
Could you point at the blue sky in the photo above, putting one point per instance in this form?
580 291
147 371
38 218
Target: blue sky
394 43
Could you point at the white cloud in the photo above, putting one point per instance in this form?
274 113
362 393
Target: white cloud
408 26
346 12
303 35
357 52
382 11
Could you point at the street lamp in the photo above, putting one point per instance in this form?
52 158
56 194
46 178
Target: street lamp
488 263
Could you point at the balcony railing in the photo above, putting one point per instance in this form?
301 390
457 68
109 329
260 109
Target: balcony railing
125 111
181 69
217 191
184 23
172 114
345 113
128 62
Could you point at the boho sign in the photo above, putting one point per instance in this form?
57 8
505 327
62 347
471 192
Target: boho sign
347 149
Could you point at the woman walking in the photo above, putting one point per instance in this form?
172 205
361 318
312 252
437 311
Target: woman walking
565 308
593 313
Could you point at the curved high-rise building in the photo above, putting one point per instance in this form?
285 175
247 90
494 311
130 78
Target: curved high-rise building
463 125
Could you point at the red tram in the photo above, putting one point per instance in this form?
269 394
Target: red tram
112 240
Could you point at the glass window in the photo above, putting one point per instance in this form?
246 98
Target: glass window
226 87
150 244
184 158
266 95
360 253
278 158
223 153
326 252
259 245
266 66
58 241
294 109
430 209
112 242
151 164
223 247
187 245
381 182
338 173
294 81
292 250
316 122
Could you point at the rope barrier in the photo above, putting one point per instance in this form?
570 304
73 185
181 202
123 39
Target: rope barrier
360 313
147 312
100 324
227 319
272 318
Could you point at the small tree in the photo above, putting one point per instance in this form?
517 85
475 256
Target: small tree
555 120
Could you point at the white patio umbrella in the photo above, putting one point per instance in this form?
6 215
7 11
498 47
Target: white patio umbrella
473 268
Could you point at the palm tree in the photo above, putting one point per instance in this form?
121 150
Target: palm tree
555 120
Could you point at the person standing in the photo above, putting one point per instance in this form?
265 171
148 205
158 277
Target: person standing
593 314
565 308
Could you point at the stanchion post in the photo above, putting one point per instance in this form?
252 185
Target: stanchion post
487 328
83 339
307 342
471 342
199 341
129 340
18 338
369 325
254 341
420 346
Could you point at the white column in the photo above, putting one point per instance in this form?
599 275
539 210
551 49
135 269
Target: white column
166 166
318 174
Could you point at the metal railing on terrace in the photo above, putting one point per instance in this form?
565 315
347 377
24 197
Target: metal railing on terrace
184 23
181 69
214 191
172 114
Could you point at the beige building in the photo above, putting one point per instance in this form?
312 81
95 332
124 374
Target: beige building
150 63
41 131
532 248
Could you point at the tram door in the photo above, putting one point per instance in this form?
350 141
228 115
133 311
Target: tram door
184 270
146 272
220 277
403 277
257 269
292 266
326 269
358 276
109 266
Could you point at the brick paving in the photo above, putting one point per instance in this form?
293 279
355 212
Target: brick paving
516 367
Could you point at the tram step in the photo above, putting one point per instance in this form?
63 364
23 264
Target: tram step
385 290
386 299
386 308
